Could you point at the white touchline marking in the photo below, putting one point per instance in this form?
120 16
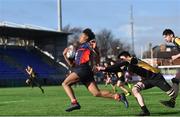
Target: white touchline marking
6 102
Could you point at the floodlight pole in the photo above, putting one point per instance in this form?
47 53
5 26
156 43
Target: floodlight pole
132 28
59 8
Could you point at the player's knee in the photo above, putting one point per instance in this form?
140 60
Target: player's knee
64 84
97 94
135 90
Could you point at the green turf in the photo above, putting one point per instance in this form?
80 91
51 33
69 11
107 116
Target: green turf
28 101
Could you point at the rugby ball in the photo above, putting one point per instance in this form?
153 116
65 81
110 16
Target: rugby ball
71 52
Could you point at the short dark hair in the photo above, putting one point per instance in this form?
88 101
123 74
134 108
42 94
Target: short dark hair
89 33
29 66
124 53
168 32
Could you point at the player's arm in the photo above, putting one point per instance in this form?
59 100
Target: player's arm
93 47
95 56
29 71
116 67
69 62
175 56
113 68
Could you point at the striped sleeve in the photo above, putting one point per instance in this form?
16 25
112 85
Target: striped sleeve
177 43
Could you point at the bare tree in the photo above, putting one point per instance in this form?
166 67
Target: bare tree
109 45
75 33
104 37
116 46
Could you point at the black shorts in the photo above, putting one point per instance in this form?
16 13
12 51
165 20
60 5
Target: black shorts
122 79
158 81
114 80
85 73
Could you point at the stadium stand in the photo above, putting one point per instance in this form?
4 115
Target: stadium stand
14 59
22 45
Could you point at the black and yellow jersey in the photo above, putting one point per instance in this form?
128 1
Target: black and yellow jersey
142 68
33 74
119 73
176 42
136 66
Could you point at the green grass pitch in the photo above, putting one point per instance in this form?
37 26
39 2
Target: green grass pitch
26 101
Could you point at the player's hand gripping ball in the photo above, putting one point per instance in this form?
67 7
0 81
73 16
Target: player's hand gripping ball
70 52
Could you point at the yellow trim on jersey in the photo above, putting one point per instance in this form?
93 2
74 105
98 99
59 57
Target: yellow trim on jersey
120 74
177 40
148 67
33 75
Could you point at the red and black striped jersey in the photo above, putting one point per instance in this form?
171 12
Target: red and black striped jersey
83 54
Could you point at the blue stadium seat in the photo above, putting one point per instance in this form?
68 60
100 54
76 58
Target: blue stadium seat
21 57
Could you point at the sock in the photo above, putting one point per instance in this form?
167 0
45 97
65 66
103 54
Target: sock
144 108
175 86
117 97
74 101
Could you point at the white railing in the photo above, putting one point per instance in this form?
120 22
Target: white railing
52 57
169 66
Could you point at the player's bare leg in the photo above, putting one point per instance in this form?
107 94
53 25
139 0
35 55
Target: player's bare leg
121 86
93 88
38 85
136 92
71 79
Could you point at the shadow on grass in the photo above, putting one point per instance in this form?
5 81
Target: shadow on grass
166 113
